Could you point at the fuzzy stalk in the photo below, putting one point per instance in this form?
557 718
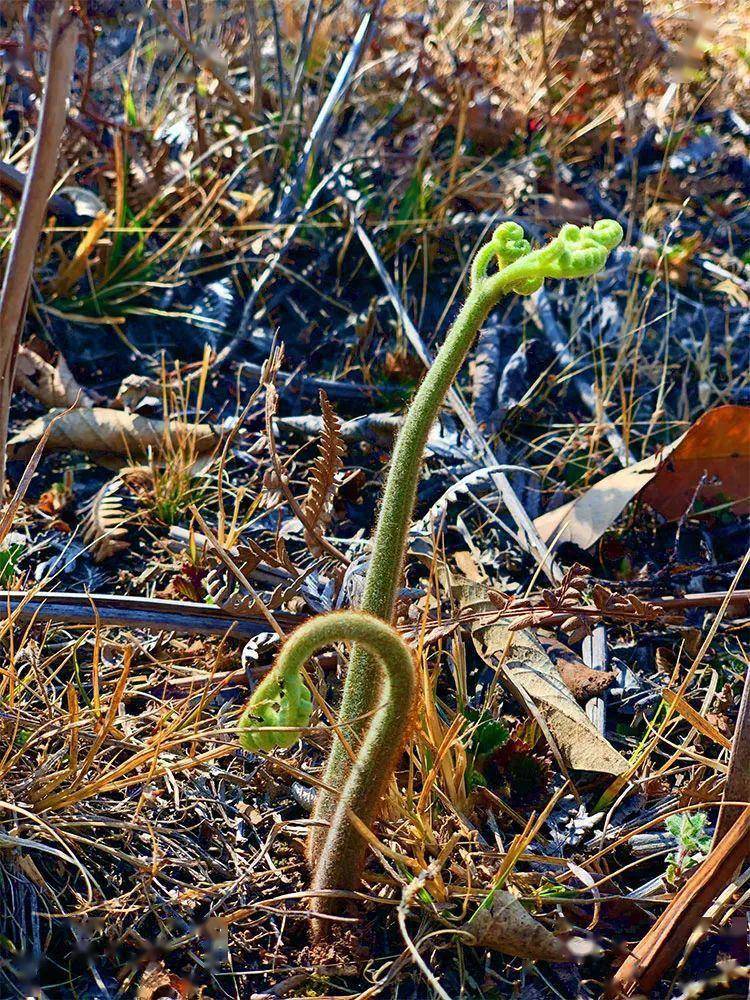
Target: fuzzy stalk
282 702
575 253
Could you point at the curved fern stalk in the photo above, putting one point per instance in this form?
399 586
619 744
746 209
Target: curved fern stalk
574 253
282 704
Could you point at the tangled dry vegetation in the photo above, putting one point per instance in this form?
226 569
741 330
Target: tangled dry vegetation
263 222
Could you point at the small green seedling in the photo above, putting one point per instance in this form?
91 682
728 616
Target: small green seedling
363 743
11 553
693 843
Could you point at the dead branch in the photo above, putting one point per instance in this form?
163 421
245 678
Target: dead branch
36 192
655 954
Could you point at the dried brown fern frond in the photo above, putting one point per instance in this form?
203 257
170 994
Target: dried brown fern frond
226 591
106 517
318 504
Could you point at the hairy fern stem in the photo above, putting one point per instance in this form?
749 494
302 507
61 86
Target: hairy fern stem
574 253
279 704
379 690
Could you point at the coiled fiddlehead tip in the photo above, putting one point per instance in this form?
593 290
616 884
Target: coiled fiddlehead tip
608 232
509 243
581 252
577 252
281 705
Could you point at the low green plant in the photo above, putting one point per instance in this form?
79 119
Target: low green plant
336 847
693 843
11 553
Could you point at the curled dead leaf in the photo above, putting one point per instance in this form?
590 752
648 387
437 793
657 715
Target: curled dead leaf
582 682
158 983
505 926
52 384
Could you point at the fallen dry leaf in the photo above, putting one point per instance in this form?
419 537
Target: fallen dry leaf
530 669
154 981
468 566
505 926
563 204
52 384
583 682
101 431
134 389
733 291
489 126
717 446
585 519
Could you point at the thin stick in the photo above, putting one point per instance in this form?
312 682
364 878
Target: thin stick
322 129
596 655
254 62
155 614
36 192
737 786
14 180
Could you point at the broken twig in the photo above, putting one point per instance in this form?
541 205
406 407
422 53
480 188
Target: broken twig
36 192
659 949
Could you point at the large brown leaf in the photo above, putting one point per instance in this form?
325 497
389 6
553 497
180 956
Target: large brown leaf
531 672
505 926
716 446
99 431
716 449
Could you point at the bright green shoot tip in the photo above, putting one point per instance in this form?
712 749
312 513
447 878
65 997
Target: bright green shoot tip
280 706
574 253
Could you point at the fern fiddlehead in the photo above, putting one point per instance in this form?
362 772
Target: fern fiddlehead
380 681
283 700
279 708
574 253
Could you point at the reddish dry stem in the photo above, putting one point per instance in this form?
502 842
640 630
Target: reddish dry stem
657 952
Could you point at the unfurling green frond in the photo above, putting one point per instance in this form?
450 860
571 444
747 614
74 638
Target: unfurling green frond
577 252
380 682
278 709
505 264
283 702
